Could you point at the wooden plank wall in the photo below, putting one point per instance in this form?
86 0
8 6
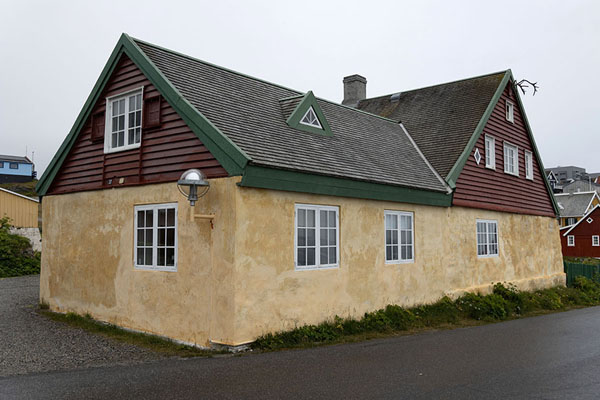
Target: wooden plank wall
480 187
165 152
583 238
22 212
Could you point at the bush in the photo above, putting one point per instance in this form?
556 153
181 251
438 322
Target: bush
490 307
444 311
16 255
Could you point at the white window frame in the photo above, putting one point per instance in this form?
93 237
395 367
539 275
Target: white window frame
318 123
595 240
490 152
108 121
488 253
528 165
400 214
317 209
571 241
573 221
510 111
154 208
508 145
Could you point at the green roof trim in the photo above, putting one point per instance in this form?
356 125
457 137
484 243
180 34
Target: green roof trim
307 102
462 160
230 156
292 181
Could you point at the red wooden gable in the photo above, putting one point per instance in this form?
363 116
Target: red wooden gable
481 187
582 233
168 145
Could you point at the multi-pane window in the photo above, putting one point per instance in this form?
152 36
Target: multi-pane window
528 165
156 237
13 165
490 152
570 221
510 111
317 229
511 159
124 122
487 238
310 119
399 237
595 240
570 240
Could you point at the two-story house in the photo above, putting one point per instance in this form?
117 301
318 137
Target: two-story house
315 208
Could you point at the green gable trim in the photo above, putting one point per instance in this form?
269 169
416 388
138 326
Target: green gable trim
308 101
462 160
230 156
278 179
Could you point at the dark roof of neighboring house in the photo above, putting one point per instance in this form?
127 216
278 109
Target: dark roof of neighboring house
252 114
15 158
445 114
574 204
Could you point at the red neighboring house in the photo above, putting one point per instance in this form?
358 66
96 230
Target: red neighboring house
583 238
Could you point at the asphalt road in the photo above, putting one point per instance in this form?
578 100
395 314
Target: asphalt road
549 357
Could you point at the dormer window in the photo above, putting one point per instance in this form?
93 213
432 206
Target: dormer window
123 128
310 119
510 111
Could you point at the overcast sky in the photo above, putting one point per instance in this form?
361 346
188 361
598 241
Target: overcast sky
52 52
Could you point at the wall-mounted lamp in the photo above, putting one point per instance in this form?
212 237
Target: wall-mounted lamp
190 181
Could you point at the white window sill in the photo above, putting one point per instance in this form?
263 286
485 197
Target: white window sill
511 173
487 256
317 268
412 261
160 269
122 148
491 167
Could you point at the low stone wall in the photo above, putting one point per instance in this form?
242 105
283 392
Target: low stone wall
33 234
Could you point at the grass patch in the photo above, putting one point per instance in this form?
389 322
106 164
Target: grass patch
583 260
505 302
152 342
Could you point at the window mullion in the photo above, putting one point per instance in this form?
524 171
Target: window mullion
317 237
154 237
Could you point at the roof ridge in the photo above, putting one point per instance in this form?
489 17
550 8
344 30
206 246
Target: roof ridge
440 84
568 194
300 93
213 65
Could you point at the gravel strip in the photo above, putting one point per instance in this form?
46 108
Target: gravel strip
29 342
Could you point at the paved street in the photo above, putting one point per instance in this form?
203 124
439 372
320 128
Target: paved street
550 357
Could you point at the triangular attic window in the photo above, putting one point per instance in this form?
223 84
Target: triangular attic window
310 119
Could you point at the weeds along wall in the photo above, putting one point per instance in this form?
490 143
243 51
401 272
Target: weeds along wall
237 281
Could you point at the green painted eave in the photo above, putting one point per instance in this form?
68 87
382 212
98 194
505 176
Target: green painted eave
277 179
230 156
308 101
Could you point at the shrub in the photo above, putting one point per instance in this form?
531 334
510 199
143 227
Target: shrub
490 307
16 255
444 311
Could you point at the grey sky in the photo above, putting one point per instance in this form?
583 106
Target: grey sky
52 52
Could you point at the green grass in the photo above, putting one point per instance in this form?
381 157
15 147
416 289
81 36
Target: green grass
17 258
582 260
152 342
505 302
24 188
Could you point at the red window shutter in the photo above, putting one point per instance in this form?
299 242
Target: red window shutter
98 127
152 112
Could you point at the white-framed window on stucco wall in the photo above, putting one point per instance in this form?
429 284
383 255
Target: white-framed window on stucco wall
155 237
316 237
487 238
399 237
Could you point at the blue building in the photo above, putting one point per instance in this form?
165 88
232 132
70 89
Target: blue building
16 169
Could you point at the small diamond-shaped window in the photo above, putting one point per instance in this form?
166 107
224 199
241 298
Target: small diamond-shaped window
310 119
477 156
589 220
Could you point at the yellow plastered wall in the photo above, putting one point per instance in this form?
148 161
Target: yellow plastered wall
22 212
271 295
87 262
238 280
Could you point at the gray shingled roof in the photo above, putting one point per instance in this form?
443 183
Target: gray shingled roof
443 114
573 205
251 114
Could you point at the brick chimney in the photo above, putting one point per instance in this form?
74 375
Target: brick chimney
355 90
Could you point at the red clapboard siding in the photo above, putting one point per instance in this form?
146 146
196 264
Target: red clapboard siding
166 151
481 187
583 233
